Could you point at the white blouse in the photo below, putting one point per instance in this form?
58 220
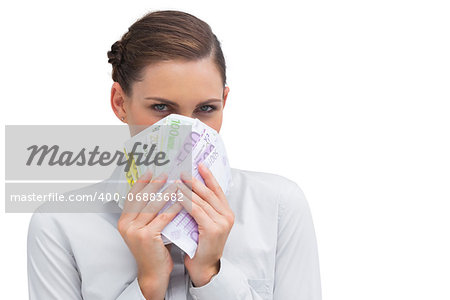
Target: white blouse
271 251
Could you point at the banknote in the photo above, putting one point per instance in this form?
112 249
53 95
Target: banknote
185 142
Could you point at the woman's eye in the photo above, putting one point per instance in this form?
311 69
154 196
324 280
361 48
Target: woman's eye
206 108
160 107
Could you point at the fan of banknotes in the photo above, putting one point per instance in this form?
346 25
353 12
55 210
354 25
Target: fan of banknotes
177 144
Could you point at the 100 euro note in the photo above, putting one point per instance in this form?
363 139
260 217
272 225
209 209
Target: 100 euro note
186 143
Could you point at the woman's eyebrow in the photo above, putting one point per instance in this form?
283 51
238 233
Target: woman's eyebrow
162 100
167 101
212 100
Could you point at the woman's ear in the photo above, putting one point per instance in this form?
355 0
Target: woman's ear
118 101
226 90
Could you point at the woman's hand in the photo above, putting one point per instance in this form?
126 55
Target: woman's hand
209 207
141 226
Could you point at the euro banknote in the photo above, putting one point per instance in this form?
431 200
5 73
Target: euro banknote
185 142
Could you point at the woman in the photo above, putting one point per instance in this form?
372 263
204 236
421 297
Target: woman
255 242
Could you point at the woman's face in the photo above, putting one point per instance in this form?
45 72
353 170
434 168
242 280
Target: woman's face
190 88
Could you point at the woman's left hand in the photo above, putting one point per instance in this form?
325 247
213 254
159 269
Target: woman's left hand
209 207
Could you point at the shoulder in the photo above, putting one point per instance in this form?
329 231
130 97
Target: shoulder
264 179
53 222
288 194
45 232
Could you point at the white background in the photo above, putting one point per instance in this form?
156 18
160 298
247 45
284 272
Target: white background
350 99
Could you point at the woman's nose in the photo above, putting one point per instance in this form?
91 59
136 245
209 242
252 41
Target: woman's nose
186 114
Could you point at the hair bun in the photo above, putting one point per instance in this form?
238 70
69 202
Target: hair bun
115 55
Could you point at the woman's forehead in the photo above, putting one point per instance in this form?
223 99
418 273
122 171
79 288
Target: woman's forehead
179 79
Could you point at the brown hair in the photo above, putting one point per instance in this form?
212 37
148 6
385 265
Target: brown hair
162 35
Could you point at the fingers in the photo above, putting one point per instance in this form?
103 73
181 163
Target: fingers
211 181
139 193
190 199
139 199
206 194
164 218
129 206
155 184
153 207
202 218
142 181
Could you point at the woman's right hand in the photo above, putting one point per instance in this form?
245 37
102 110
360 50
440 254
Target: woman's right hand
140 226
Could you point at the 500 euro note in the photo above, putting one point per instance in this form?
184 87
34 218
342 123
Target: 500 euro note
186 142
